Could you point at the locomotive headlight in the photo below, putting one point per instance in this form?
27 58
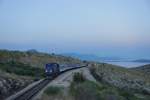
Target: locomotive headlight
50 71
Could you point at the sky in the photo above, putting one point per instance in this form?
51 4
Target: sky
119 28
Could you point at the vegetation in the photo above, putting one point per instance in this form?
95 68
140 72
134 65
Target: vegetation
125 83
145 69
34 58
114 82
88 90
29 63
84 91
53 90
78 77
21 69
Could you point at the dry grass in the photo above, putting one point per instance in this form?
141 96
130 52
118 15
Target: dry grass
59 95
122 78
35 59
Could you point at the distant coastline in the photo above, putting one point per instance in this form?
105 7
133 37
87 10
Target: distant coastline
142 60
127 64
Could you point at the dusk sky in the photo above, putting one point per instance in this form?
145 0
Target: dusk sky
119 28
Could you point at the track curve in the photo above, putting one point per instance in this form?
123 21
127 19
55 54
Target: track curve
27 95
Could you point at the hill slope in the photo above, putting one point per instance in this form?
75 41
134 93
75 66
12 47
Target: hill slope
35 59
18 68
130 80
144 69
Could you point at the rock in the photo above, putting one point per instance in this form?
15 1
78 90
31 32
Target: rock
9 86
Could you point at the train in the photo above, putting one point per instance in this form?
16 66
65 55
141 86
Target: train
52 70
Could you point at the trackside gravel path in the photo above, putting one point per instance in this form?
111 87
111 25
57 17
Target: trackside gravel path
65 79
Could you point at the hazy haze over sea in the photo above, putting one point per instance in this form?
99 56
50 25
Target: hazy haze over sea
127 64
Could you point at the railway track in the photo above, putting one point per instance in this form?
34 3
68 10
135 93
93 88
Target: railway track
27 95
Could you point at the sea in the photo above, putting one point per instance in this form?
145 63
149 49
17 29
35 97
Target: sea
127 64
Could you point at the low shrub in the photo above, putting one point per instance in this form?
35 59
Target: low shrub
53 90
110 91
78 77
85 91
21 69
111 94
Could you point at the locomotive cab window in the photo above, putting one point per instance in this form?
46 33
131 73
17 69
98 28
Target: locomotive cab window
52 69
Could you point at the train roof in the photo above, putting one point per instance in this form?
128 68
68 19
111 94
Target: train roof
52 63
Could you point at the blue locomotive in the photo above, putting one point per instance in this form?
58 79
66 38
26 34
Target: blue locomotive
52 70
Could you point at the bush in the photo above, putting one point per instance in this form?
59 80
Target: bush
53 90
110 94
21 69
78 77
128 95
85 91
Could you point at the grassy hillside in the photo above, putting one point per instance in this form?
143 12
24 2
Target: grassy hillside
143 69
30 63
133 82
14 67
18 68
34 58
84 89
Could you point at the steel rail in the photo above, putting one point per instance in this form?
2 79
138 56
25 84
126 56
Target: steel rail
28 94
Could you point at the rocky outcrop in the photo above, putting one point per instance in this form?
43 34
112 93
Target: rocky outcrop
9 86
122 78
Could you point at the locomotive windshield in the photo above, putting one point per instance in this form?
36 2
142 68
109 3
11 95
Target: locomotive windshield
49 67
52 69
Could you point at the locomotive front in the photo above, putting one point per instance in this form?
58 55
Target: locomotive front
52 70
